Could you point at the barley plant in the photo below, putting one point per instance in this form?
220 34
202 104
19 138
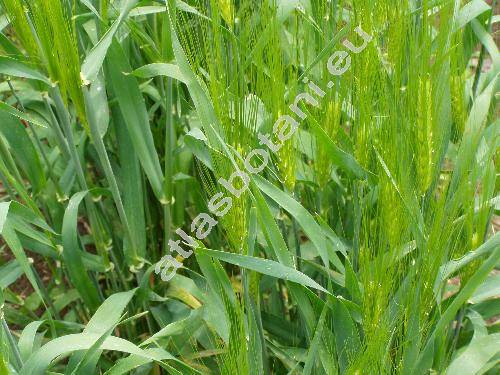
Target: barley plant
249 187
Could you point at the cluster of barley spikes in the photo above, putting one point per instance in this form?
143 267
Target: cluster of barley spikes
367 245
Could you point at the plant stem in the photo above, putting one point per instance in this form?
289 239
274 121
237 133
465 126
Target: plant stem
169 163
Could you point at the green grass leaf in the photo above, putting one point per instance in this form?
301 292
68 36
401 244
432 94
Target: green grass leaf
72 254
303 217
12 67
4 107
39 361
23 150
475 356
159 69
265 267
133 109
94 60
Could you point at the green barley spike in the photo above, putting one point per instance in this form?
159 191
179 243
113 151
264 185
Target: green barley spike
425 135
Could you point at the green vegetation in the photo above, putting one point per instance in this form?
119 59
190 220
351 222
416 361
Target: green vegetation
367 245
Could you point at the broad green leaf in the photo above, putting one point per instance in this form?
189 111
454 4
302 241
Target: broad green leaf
23 150
109 312
9 273
132 186
93 62
89 359
98 101
196 141
449 268
339 157
27 339
346 335
16 68
91 7
26 215
105 162
182 327
465 293
159 69
72 253
470 11
475 356
489 43
133 108
489 289
264 266
479 111
12 240
412 345
4 107
126 365
40 360
145 10
102 323
303 217
479 324
271 230
221 303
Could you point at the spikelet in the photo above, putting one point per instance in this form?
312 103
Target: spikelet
287 161
457 86
396 27
56 33
425 148
331 126
226 8
17 16
58 47
229 106
458 105
235 221
235 224
362 148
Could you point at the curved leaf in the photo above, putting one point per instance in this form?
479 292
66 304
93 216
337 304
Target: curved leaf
39 361
72 253
159 69
264 266
475 356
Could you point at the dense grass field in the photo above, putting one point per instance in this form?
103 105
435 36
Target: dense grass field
249 187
